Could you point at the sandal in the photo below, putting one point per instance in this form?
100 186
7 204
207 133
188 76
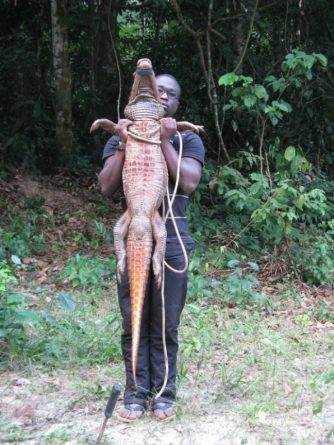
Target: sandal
131 412
164 411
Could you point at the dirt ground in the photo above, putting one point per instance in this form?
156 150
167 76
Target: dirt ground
61 409
66 406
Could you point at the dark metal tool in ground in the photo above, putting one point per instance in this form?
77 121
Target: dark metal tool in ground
115 392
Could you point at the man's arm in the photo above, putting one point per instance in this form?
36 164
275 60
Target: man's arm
190 169
110 177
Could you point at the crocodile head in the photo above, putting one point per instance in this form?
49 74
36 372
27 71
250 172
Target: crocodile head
144 102
144 84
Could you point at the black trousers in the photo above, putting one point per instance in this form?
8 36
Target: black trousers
151 362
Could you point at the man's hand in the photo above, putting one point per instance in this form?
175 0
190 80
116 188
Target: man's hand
167 128
121 129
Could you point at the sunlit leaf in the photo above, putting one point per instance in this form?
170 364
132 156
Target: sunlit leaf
66 301
228 79
290 153
233 263
317 407
16 260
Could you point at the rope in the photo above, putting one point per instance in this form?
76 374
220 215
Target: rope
140 138
165 264
170 210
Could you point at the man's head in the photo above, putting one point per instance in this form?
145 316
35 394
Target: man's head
170 92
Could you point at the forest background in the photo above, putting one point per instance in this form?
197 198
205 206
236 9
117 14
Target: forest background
259 76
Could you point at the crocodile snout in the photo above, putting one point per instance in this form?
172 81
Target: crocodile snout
144 64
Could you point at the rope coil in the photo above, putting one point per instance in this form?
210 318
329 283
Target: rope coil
163 312
165 264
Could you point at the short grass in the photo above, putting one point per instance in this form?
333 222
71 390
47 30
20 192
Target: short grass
267 378
256 361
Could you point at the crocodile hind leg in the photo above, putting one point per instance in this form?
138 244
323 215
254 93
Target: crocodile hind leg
120 232
160 236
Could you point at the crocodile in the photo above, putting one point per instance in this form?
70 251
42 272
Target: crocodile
145 180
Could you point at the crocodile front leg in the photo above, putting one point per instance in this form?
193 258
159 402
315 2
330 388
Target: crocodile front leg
106 124
120 233
160 236
183 126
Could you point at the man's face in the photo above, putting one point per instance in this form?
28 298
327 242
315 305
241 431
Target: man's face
169 91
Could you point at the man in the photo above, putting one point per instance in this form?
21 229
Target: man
151 361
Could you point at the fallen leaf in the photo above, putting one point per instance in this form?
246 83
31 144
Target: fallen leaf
28 260
54 381
25 412
20 382
43 264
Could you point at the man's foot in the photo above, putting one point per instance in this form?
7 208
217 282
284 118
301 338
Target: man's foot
164 411
131 412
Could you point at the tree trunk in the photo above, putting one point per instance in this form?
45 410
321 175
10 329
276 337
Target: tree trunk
62 80
238 38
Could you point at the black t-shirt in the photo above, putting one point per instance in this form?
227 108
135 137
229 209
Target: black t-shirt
192 148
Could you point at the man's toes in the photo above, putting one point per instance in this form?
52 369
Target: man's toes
131 412
164 411
159 414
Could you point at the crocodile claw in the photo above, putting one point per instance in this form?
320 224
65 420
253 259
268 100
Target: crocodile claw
157 271
121 268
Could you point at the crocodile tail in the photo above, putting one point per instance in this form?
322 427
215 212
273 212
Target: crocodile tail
139 261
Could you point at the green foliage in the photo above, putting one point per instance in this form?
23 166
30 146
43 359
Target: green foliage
232 378
298 63
83 272
242 287
6 276
61 332
253 98
199 285
284 210
313 258
317 407
324 313
257 98
27 102
290 206
13 316
66 301
22 234
35 202
75 335
277 204
275 189
198 340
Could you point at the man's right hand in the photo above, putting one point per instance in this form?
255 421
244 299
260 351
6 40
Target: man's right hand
121 129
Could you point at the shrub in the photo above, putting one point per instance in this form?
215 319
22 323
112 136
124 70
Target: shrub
13 316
